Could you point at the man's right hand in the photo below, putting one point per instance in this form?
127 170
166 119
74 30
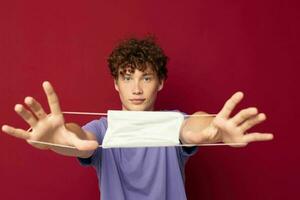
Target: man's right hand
51 127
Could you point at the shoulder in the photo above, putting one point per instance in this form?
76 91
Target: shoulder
97 123
97 127
177 110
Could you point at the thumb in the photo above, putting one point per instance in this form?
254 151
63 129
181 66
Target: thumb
219 123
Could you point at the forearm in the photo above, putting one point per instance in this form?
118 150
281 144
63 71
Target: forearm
81 134
71 152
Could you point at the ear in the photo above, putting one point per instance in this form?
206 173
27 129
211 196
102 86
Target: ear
116 85
161 85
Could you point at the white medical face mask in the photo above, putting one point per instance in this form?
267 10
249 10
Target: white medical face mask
142 128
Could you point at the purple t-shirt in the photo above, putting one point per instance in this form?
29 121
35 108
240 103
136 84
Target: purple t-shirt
147 173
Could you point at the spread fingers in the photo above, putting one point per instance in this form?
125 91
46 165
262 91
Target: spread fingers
26 115
35 107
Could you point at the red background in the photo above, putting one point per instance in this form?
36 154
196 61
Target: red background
215 47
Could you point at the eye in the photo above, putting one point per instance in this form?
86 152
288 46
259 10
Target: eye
147 79
127 78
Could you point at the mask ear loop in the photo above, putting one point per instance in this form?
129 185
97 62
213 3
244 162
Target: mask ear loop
105 114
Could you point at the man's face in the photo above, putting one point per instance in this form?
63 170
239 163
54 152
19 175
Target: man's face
138 90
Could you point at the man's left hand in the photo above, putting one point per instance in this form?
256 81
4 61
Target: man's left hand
224 129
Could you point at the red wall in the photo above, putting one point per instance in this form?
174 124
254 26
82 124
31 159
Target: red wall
215 48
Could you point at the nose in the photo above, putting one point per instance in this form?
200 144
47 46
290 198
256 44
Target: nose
137 89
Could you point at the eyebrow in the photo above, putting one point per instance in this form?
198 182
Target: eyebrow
144 74
148 73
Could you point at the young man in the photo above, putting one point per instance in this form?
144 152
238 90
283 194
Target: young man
138 67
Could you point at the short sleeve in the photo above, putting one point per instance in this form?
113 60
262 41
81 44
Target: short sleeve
185 151
98 128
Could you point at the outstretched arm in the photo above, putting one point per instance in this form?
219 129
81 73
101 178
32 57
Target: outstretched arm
51 128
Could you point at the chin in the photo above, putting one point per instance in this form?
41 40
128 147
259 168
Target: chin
136 108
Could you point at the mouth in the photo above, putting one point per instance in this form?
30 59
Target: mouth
137 101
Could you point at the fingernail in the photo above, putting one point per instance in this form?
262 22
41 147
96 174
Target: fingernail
241 93
254 110
45 83
4 128
28 100
262 116
18 107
